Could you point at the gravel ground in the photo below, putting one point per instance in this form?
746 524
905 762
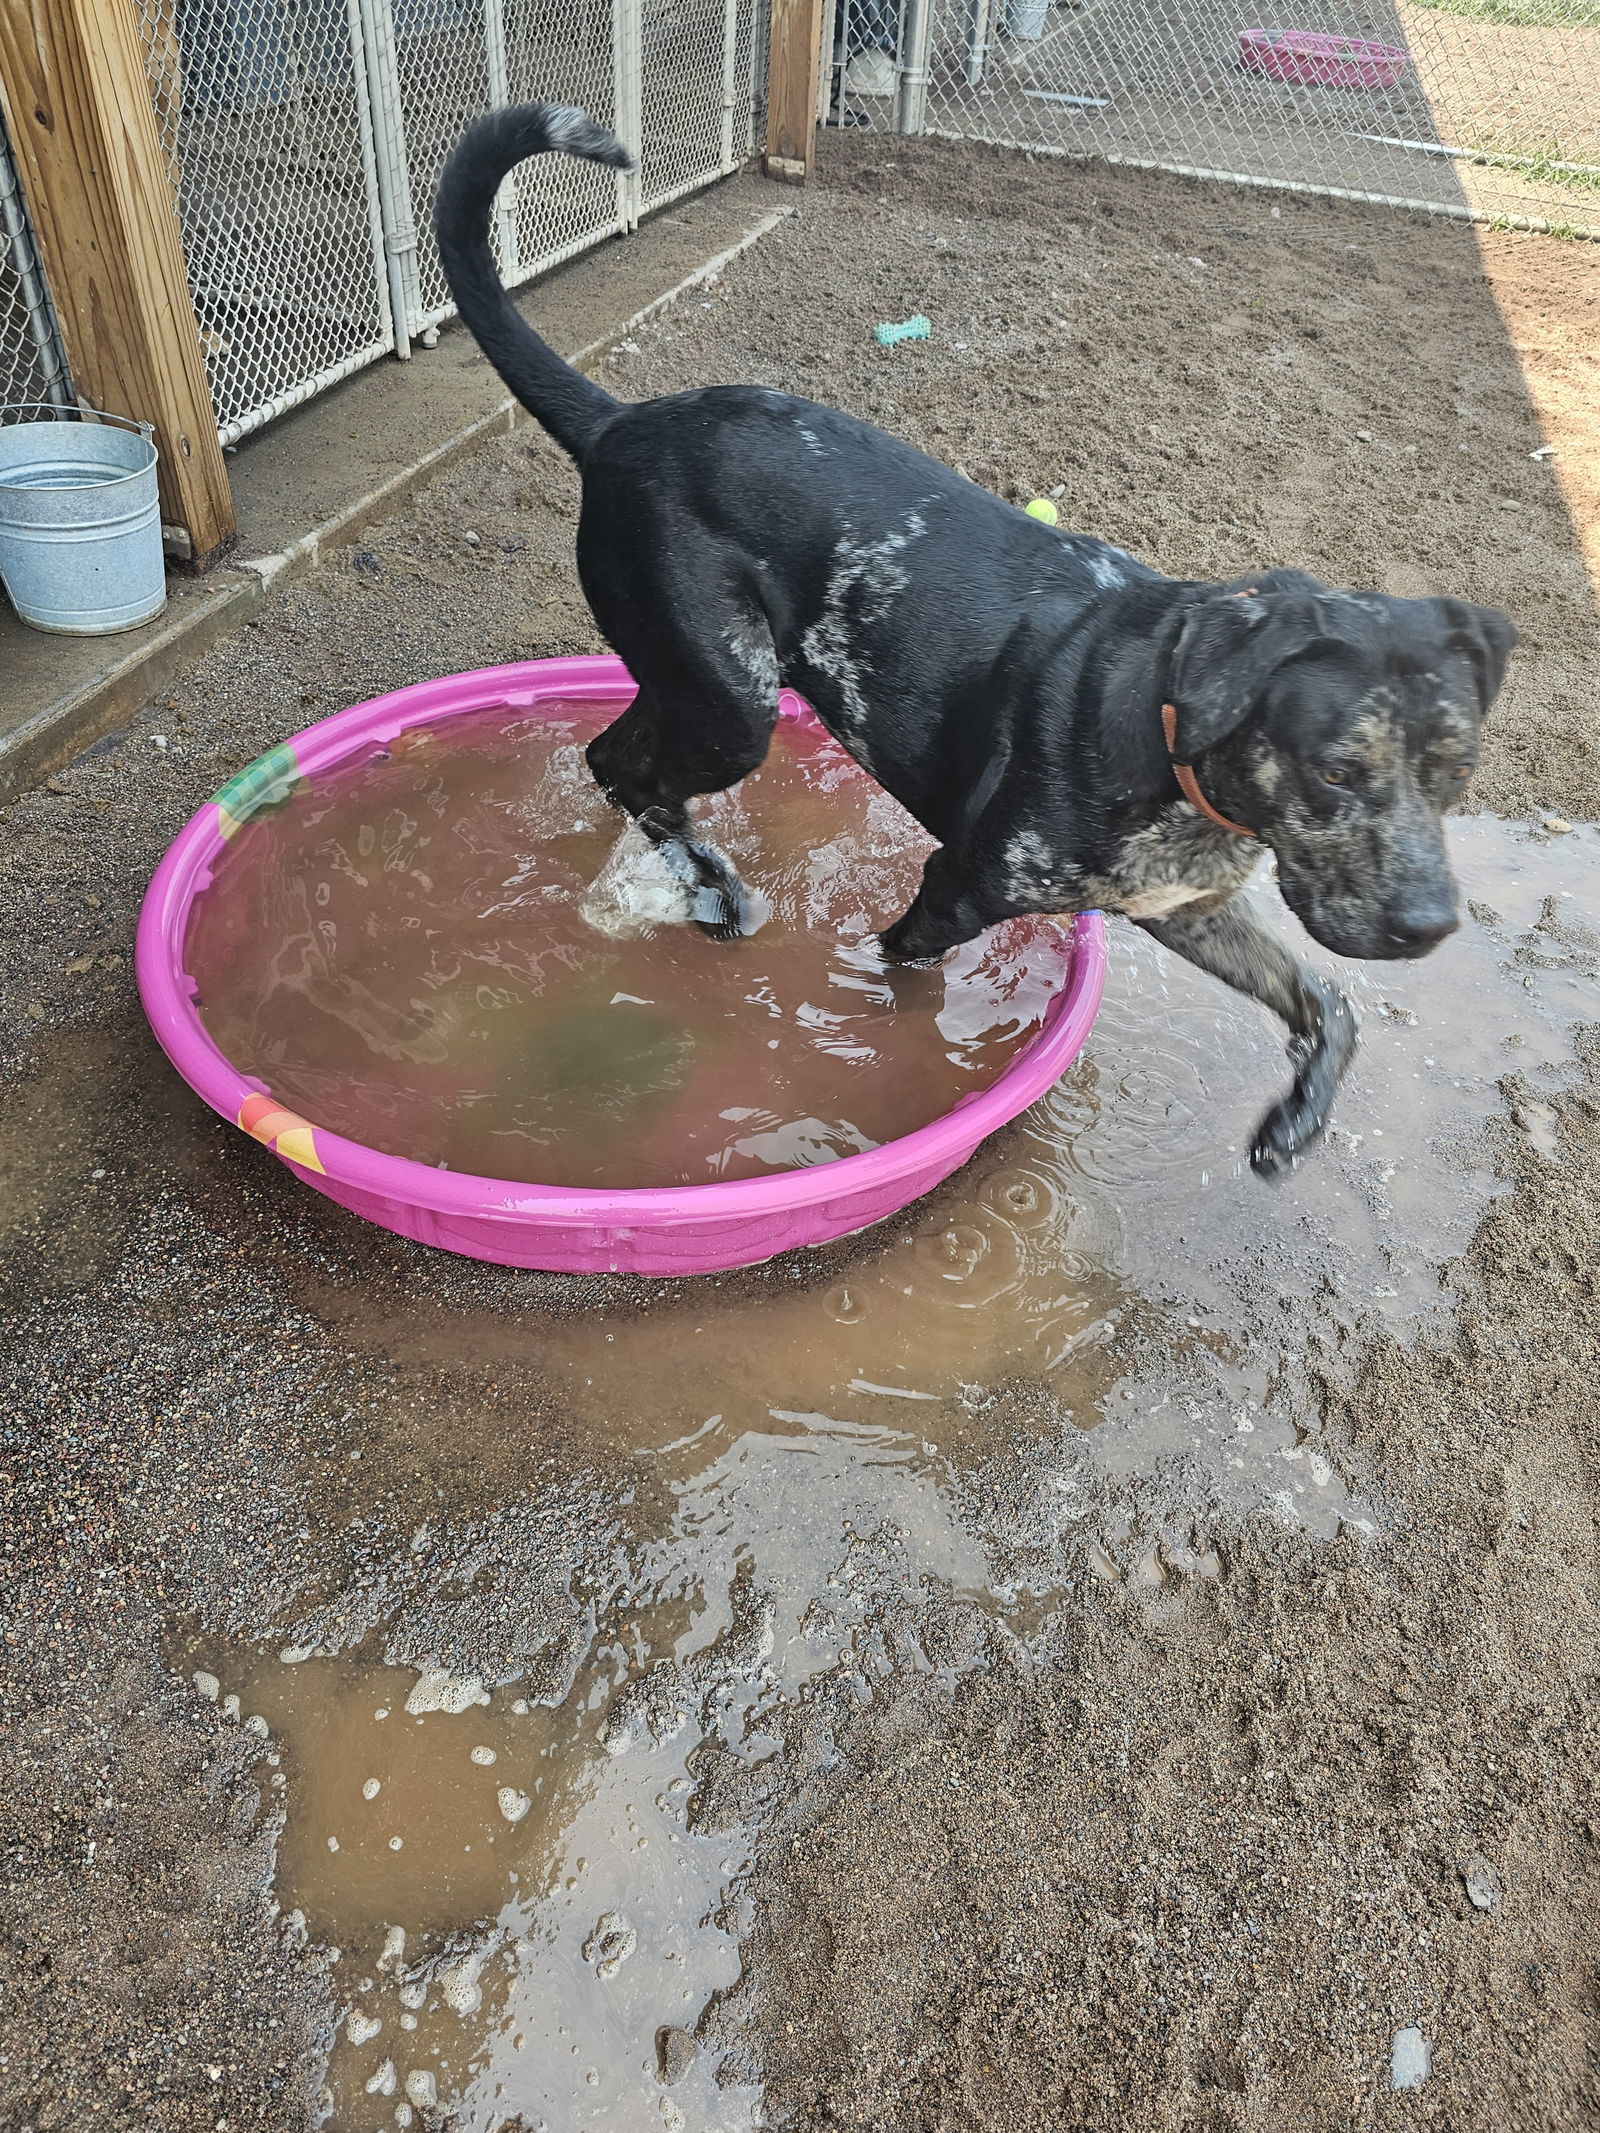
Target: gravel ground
1188 1855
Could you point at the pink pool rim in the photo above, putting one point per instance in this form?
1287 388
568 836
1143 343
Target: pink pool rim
687 1229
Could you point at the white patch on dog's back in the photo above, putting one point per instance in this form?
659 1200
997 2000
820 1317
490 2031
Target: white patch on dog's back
864 583
1110 568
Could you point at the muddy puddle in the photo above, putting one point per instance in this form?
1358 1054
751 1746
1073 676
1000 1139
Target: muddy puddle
533 1901
517 1911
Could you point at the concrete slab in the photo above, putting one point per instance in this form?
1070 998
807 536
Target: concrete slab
57 694
314 479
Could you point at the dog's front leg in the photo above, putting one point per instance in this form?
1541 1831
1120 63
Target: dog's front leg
941 915
1229 944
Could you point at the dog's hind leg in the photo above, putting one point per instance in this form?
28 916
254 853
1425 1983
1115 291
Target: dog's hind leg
698 725
1229 944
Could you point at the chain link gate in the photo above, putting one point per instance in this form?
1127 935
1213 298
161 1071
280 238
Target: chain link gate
266 124
1486 108
33 369
304 139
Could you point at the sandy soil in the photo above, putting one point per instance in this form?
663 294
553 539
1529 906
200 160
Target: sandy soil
1188 1854
1193 1858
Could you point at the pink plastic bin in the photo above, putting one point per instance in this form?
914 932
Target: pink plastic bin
689 1229
1314 56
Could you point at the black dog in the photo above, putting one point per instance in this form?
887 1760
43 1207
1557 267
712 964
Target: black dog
1077 731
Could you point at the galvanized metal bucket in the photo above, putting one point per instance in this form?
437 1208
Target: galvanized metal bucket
80 522
1026 20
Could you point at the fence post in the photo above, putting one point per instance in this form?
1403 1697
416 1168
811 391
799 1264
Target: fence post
355 29
494 41
83 131
42 328
377 55
794 64
627 77
978 28
913 113
756 71
830 76
730 85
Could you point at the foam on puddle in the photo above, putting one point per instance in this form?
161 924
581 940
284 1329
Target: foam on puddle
438 1691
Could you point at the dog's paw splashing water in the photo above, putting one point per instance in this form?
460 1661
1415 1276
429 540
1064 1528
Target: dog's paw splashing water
644 885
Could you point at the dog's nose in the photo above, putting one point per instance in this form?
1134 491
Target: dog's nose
1415 928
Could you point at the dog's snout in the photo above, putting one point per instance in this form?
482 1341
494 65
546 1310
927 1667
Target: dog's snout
1418 926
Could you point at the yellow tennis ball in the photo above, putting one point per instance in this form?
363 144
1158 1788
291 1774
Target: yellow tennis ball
1042 508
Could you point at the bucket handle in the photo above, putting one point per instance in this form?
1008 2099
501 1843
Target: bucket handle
147 430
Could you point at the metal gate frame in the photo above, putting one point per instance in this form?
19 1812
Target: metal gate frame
635 197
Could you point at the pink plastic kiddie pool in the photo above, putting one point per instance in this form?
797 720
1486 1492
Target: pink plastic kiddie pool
1318 57
685 1229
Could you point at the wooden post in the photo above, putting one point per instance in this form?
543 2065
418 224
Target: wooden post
83 131
794 62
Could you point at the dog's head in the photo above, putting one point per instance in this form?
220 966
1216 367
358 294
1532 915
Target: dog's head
1340 726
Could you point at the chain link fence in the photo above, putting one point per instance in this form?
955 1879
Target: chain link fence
304 140
32 368
699 93
448 61
265 119
1488 108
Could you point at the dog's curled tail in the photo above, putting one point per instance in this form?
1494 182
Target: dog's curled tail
571 406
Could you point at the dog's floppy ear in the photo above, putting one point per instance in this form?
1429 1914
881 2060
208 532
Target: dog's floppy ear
1486 637
1228 651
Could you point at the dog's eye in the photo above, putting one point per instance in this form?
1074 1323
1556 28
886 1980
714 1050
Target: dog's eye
1333 775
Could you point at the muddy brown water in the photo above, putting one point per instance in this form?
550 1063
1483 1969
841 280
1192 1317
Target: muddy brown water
529 1915
447 952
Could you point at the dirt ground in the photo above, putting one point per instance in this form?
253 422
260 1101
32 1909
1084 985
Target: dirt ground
1184 1844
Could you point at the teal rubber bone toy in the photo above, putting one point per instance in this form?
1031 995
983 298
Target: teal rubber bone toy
913 329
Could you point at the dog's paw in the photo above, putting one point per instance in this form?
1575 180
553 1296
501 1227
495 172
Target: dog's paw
1274 1151
728 911
1283 1137
719 903
905 952
716 916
